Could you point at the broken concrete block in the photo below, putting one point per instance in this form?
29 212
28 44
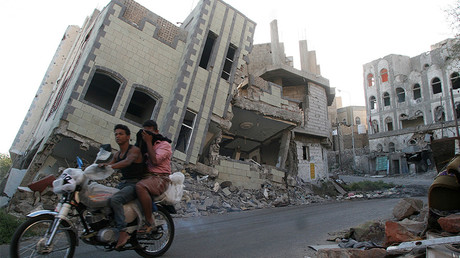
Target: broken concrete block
369 231
396 233
407 207
351 253
226 191
450 223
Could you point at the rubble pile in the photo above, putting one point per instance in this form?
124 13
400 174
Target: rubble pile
204 196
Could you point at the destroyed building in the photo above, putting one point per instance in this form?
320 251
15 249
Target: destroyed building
409 104
237 108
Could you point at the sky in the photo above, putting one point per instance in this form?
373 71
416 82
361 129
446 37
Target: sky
345 35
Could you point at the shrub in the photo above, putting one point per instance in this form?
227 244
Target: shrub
8 224
368 186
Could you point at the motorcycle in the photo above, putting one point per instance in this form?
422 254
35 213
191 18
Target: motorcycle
83 213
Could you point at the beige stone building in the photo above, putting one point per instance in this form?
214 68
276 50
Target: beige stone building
239 108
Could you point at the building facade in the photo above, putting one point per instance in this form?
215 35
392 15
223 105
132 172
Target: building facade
408 101
224 102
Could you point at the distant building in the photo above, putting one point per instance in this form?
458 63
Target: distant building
223 101
409 104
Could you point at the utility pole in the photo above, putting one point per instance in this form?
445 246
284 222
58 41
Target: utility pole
338 142
353 146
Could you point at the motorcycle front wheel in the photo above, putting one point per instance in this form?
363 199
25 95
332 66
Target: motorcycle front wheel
157 242
30 239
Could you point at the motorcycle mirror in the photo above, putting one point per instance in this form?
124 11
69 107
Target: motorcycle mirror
104 153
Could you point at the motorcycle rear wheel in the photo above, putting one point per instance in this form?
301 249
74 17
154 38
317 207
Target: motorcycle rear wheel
29 239
157 242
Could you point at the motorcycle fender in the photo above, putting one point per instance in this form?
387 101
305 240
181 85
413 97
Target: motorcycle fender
53 213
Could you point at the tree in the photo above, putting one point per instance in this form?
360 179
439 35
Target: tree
5 165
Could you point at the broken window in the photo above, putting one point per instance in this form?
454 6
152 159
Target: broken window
439 114
386 99
384 75
226 71
436 85
186 130
306 153
357 120
140 107
370 80
455 80
102 90
389 123
207 50
416 90
401 94
391 147
373 102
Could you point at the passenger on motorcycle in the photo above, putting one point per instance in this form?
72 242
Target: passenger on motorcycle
130 162
158 160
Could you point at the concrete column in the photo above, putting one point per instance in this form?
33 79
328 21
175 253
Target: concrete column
312 62
284 148
275 44
303 48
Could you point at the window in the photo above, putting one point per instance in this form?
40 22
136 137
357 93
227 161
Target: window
370 80
186 131
436 85
357 120
386 99
439 114
373 102
306 153
416 91
384 75
207 50
102 90
389 123
391 147
455 80
226 71
401 94
140 107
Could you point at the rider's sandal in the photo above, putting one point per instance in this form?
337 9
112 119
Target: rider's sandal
146 228
122 240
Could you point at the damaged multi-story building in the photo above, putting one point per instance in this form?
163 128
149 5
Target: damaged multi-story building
410 102
238 108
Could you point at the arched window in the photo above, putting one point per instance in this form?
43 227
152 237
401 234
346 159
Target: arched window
439 114
416 91
140 107
373 102
384 75
357 120
386 99
436 85
455 80
389 123
401 94
370 80
102 90
391 147
379 147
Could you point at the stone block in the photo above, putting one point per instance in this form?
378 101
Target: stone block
407 207
450 223
396 233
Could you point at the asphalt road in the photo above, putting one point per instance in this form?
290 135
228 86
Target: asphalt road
276 232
